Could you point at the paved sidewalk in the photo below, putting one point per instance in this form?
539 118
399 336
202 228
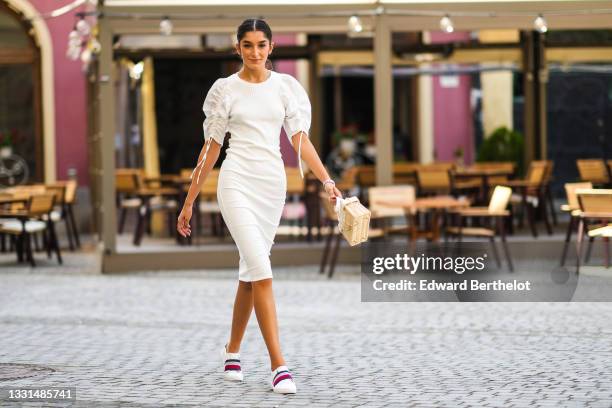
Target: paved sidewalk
152 339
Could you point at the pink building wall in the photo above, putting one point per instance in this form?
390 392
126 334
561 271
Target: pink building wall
70 97
452 113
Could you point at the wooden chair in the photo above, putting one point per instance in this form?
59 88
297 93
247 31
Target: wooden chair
68 209
532 195
65 196
437 178
330 256
383 215
595 207
366 176
573 209
431 181
145 195
404 173
594 171
497 211
36 218
127 184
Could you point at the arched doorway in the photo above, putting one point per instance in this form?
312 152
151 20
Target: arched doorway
26 88
20 89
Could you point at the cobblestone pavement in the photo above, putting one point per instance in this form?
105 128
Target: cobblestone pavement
152 339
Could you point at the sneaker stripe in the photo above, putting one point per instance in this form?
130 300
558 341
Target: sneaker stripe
232 360
282 377
280 372
232 367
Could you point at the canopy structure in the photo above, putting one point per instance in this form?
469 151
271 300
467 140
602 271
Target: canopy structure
379 17
319 16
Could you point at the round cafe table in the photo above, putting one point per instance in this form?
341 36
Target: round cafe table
434 206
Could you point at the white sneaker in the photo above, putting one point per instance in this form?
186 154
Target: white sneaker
282 381
231 365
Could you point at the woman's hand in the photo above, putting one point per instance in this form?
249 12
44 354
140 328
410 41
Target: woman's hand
332 192
182 224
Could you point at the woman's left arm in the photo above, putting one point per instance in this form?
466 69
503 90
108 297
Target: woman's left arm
311 157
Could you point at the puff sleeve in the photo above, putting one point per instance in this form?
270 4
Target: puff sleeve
297 107
216 109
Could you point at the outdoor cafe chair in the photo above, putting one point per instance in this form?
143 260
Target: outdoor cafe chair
496 210
65 192
404 173
145 195
127 185
533 194
595 208
573 209
383 215
35 218
594 171
437 178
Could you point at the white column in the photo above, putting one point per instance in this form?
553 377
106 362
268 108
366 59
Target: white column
383 102
426 113
496 100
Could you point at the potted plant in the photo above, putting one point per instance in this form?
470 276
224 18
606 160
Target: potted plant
503 145
6 144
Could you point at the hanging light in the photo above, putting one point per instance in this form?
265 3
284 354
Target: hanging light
136 71
354 24
166 26
540 24
446 24
83 27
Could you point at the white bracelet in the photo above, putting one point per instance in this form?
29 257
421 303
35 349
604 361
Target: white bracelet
329 181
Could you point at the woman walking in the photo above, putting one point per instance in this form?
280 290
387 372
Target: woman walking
253 104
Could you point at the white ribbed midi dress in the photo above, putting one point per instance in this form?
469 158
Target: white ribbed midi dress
252 183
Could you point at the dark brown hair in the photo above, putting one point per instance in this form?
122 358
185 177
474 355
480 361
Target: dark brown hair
254 24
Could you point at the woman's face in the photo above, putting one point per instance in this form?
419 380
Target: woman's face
254 49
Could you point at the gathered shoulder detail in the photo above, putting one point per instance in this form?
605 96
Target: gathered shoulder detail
216 108
297 106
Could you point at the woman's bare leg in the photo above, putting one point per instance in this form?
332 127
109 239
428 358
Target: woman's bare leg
265 310
242 312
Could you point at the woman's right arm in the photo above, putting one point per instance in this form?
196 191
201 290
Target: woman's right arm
211 159
214 149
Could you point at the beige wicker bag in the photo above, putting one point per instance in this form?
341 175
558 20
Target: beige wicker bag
353 220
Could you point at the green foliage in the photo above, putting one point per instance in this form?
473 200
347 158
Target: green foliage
5 139
503 145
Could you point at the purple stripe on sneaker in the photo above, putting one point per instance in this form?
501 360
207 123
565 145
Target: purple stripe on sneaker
232 367
280 372
281 378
